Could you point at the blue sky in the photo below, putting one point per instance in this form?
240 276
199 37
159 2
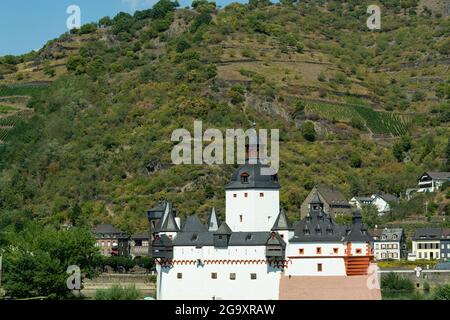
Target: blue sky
27 25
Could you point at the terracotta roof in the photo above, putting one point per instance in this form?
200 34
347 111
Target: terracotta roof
327 288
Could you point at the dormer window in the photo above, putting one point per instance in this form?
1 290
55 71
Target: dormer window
244 177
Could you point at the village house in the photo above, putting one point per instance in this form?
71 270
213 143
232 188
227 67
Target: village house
426 243
390 244
360 202
432 181
110 240
334 201
139 245
382 202
445 244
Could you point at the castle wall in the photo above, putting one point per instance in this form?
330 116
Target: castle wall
197 281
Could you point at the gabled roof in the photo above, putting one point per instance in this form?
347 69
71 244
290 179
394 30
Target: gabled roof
140 236
213 221
438 175
363 198
193 224
427 234
255 178
223 229
387 197
276 240
107 230
332 195
282 222
395 234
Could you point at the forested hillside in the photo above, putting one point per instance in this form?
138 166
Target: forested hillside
86 122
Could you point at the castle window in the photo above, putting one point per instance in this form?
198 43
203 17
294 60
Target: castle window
261 194
253 276
241 218
336 250
301 251
232 276
358 251
282 236
246 194
244 177
179 275
319 250
213 275
234 195
319 267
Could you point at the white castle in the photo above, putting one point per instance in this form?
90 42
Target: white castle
256 253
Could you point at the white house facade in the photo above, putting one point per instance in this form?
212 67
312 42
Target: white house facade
391 245
432 181
256 253
426 243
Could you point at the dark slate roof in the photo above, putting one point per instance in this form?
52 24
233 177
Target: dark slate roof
236 239
255 178
357 232
157 211
275 239
332 195
249 238
140 236
193 224
427 234
282 222
194 239
439 175
316 199
387 197
318 226
223 229
213 221
108 230
167 223
162 241
363 198
386 234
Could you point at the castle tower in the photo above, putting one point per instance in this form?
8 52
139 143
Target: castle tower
252 199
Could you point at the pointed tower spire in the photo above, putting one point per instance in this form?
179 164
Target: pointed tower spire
213 221
168 222
316 204
282 222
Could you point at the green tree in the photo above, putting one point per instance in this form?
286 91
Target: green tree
37 258
370 216
442 292
308 131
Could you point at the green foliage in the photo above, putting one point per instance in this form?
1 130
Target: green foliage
442 292
89 28
308 131
370 216
117 292
36 260
394 282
